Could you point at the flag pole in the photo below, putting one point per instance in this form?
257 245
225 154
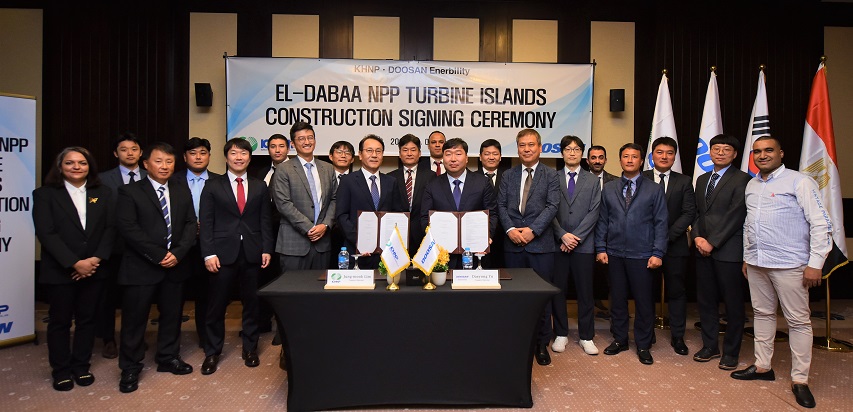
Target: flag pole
661 320
828 342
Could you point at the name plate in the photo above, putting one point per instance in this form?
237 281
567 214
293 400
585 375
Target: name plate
349 279
476 279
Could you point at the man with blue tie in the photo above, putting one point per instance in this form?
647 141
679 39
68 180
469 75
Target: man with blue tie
366 190
631 238
574 233
528 200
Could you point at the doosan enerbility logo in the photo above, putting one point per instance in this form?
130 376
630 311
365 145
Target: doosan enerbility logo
251 140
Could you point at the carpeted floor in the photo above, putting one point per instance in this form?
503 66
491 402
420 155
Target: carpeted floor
574 381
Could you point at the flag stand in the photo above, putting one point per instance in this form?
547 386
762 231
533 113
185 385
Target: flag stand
662 321
828 342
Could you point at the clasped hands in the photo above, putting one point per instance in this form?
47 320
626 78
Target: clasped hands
85 268
653 263
521 236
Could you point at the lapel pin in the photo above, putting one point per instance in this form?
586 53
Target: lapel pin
93 200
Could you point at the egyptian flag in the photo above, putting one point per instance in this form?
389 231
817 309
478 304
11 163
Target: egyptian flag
818 160
759 125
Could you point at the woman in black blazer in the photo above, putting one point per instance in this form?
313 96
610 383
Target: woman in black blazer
73 220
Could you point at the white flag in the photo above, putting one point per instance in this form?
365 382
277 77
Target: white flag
759 125
819 160
663 124
427 255
394 254
712 125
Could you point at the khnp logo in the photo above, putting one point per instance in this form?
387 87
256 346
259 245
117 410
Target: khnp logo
251 140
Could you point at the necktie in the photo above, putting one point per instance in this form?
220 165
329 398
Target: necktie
241 195
131 174
374 192
526 192
570 190
491 176
663 181
457 193
409 186
711 186
437 167
195 189
313 187
164 207
629 195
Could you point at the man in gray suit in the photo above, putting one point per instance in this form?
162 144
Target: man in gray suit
527 204
304 193
573 232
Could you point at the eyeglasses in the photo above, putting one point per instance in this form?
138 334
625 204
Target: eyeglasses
570 149
301 139
371 152
343 153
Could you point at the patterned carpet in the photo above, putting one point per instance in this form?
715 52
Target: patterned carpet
574 381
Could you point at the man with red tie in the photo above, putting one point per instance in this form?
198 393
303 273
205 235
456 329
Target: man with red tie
435 142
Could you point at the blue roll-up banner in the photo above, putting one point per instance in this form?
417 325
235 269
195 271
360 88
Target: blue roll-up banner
17 236
348 99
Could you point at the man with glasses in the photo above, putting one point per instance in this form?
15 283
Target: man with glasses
341 154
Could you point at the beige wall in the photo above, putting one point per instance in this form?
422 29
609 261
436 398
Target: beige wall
295 35
839 71
376 37
21 69
612 48
211 35
456 39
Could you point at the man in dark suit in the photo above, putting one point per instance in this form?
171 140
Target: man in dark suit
159 228
681 207
458 190
718 236
574 226
435 144
490 160
236 242
413 179
341 155
528 199
127 150
596 159
304 193
631 238
197 158
366 190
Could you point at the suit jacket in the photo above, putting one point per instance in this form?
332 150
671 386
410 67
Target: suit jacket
354 195
720 221
477 194
422 177
541 208
578 215
681 207
64 241
292 197
112 179
637 232
498 175
140 221
223 228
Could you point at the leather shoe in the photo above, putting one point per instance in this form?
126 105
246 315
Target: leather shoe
679 346
85 379
251 358
282 361
209 365
129 382
645 356
175 366
728 363
803 395
110 351
706 354
615 348
63 385
542 356
751 373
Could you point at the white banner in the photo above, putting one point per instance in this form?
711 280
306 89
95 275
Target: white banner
348 99
17 236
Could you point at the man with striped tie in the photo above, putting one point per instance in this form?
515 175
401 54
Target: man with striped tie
159 225
412 178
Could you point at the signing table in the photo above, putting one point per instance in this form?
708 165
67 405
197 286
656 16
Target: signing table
348 348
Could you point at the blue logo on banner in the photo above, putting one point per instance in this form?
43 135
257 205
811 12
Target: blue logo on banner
703 157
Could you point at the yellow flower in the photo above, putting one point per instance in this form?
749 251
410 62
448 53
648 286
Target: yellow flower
443 258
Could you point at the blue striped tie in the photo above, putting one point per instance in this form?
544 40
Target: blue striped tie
164 207
374 192
313 188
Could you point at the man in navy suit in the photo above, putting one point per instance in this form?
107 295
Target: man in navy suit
490 160
631 238
366 190
681 208
528 200
412 177
580 195
458 190
236 242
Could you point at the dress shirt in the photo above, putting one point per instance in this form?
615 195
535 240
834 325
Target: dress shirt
633 184
461 179
196 184
494 177
316 176
566 170
786 225
270 172
523 178
367 179
433 166
78 196
156 187
720 173
657 174
125 177
232 178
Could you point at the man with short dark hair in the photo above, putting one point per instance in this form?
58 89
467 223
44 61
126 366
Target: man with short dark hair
681 208
277 146
435 143
490 160
596 158
412 178
341 155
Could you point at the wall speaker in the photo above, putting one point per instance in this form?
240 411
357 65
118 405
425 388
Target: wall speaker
617 100
204 95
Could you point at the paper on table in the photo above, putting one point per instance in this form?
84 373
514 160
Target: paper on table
368 224
443 227
475 231
386 226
